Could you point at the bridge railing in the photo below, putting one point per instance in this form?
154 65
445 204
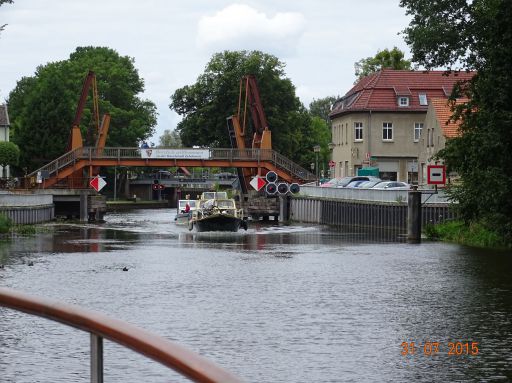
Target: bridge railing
53 167
291 167
100 326
120 153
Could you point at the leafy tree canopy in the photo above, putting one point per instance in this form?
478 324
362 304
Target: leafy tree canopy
393 59
322 107
9 153
42 107
207 103
474 35
321 135
170 139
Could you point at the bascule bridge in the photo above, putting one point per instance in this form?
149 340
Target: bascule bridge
68 177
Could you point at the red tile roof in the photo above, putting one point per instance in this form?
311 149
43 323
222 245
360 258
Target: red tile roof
443 113
379 91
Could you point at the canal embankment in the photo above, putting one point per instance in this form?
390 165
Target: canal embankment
365 208
27 209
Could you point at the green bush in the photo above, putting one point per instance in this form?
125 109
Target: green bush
5 224
473 234
25 229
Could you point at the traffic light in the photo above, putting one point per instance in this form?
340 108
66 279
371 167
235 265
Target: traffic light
271 188
156 185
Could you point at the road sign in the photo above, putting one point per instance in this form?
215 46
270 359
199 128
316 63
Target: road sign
97 183
271 176
257 183
294 188
436 174
283 188
332 164
271 188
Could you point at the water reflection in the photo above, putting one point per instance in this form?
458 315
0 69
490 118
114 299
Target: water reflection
277 303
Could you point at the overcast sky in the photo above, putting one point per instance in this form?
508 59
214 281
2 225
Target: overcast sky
172 41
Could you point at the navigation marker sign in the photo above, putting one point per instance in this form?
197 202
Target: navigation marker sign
97 183
257 183
436 174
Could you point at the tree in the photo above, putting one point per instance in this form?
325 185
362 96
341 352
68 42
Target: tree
321 134
473 35
9 155
393 59
42 107
206 104
170 139
322 107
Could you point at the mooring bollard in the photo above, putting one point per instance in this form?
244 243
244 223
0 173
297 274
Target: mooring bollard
414 216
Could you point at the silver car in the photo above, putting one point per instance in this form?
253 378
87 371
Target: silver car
392 185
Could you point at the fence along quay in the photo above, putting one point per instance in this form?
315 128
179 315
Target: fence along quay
365 208
100 326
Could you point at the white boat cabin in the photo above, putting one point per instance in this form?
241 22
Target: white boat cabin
182 203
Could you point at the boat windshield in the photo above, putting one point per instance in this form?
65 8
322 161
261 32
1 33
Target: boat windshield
221 204
214 195
225 204
183 202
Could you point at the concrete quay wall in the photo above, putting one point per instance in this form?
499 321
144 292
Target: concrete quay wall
364 214
27 208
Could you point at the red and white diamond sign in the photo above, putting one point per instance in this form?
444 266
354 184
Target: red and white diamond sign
97 183
257 183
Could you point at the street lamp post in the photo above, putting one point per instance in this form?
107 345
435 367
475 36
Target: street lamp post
316 149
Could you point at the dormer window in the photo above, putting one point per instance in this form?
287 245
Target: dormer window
403 101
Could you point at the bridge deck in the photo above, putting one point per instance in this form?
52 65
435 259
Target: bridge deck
80 158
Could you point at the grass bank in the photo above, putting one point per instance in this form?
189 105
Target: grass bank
7 227
5 224
474 234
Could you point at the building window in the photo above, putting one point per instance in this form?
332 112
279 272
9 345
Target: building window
358 131
387 131
418 126
403 101
430 138
423 99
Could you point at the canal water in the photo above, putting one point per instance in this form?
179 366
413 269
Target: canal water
277 303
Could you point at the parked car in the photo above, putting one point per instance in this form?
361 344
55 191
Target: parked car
368 184
346 180
392 185
332 183
355 184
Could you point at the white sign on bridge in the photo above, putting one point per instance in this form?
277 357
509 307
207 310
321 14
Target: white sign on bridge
182 154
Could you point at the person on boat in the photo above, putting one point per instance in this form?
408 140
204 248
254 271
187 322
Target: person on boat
187 206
